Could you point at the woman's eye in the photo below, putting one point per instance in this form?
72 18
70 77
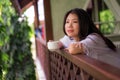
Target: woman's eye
75 21
67 21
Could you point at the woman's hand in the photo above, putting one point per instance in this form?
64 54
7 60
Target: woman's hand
75 48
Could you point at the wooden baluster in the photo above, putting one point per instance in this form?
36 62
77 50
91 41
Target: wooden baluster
84 75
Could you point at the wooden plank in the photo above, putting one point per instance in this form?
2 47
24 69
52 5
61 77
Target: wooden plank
96 68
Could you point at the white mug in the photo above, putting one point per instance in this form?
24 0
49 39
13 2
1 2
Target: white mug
53 45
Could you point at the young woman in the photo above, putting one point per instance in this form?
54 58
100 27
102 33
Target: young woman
82 36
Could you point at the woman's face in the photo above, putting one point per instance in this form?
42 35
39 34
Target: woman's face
72 26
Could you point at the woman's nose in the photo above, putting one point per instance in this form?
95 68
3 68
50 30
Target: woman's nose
70 24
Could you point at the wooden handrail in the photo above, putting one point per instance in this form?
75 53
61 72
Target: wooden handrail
95 68
107 22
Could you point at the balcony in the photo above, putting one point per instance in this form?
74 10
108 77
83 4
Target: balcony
60 65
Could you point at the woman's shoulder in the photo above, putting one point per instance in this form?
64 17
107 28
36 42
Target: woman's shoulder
93 38
65 37
65 41
94 35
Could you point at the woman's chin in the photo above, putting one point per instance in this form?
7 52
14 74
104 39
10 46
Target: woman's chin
70 35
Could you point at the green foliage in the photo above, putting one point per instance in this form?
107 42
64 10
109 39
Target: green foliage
106 16
16 61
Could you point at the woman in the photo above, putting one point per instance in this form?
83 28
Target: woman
82 36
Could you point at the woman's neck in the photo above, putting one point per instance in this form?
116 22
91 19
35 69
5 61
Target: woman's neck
76 39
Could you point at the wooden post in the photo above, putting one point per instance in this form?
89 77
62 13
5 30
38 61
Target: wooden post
48 20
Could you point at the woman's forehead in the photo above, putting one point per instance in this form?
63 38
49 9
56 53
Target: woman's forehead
72 16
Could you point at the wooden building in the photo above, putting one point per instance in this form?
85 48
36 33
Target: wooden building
60 66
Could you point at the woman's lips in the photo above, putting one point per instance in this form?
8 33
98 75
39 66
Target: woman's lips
70 31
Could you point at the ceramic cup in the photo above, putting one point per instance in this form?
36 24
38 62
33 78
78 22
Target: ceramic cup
53 45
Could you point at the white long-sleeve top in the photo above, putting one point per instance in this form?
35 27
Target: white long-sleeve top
93 43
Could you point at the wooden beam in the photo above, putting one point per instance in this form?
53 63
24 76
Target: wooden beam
21 5
16 5
36 21
48 20
24 3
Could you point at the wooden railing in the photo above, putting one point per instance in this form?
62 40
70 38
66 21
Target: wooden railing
61 65
112 27
80 67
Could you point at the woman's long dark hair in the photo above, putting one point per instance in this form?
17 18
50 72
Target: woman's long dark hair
87 26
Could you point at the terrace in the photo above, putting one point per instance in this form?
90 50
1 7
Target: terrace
58 64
